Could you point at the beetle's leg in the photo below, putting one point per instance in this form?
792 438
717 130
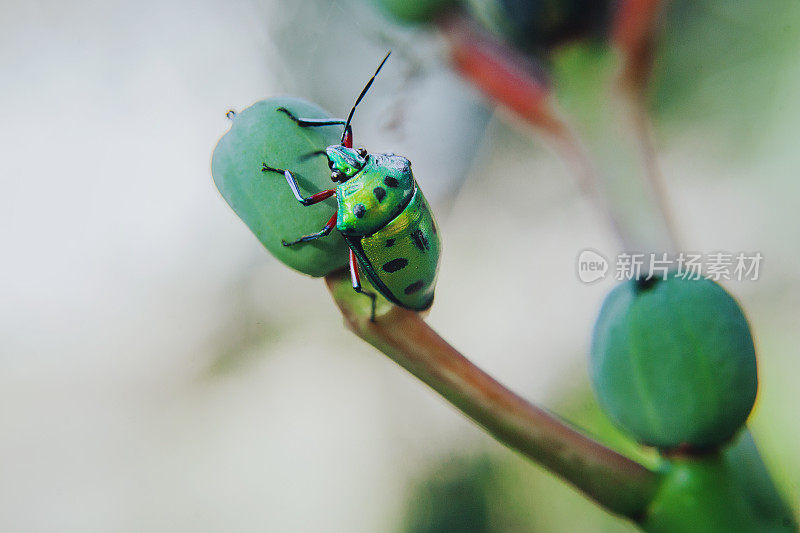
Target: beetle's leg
311 200
356 279
322 233
311 122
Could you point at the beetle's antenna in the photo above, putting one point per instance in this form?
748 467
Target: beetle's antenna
361 96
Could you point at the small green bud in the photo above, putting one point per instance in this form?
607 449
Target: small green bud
414 10
673 362
263 200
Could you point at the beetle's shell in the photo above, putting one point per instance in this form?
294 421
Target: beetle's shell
375 196
401 259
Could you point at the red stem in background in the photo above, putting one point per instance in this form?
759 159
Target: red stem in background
504 75
633 31
517 82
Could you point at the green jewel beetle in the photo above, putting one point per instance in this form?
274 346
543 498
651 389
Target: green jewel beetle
382 215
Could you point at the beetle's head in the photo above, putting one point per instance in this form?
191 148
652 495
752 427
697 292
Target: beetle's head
345 162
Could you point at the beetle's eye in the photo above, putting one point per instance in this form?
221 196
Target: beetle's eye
362 151
337 175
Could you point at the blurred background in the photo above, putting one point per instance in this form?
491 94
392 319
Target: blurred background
160 371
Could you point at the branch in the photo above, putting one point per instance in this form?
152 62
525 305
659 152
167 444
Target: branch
617 483
633 31
513 79
607 141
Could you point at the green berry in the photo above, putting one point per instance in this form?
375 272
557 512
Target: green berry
261 134
414 10
673 362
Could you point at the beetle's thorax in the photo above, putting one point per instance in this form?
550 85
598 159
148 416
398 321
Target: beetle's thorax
374 195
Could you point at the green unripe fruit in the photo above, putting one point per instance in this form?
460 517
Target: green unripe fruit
263 200
414 10
673 362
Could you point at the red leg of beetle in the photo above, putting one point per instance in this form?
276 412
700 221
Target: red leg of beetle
356 279
320 196
311 200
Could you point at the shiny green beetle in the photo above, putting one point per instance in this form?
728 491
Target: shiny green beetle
382 215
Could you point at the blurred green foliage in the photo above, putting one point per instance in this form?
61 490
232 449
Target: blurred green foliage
533 25
719 64
456 496
414 10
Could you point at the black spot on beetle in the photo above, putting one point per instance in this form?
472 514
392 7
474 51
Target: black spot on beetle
389 243
359 210
420 241
391 181
380 193
395 264
414 287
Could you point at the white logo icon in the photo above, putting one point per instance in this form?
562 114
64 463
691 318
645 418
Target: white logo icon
591 266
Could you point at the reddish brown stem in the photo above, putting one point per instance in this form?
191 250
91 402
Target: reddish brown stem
504 75
633 32
621 485
519 83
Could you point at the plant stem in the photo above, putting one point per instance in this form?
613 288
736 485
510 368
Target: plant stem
727 490
616 482
609 118
634 32
606 142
